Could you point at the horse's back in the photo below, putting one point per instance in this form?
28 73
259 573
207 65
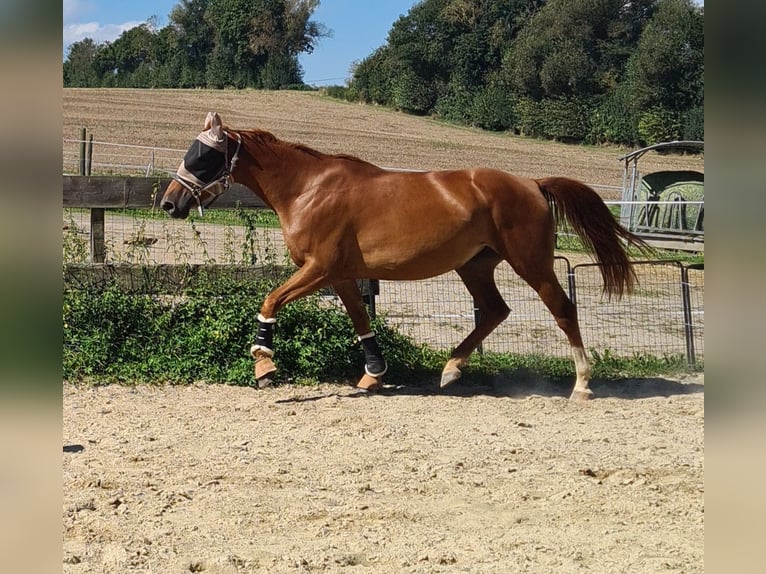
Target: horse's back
410 225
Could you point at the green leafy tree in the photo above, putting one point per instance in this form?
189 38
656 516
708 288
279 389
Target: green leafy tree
667 68
575 47
233 61
193 42
372 78
441 55
257 42
214 43
79 69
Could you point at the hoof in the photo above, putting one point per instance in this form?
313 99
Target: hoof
449 377
369 383
264 368
581 396
451 372
264 382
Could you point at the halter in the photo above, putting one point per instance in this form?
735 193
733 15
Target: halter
224 178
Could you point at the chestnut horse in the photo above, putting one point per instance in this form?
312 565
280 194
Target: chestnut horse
345 219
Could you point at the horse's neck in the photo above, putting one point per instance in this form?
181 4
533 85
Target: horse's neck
278 173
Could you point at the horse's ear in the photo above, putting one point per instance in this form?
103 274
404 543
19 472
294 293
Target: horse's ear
214 124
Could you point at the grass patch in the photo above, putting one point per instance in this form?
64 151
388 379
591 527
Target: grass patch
239 216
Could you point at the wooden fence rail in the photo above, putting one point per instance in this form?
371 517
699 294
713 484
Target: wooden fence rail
101 192
140 192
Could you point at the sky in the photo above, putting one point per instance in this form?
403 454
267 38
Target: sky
358 28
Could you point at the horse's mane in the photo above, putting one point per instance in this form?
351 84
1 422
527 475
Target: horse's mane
262 136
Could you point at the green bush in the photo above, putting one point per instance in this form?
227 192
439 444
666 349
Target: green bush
613 120
454 104
694 124
492 109
659 125
337 92
206 333
530 120
563 118
567 118
411 93
106 331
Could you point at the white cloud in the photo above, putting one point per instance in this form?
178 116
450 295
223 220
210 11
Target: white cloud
98 32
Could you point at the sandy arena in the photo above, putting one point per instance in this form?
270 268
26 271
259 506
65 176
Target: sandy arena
511 477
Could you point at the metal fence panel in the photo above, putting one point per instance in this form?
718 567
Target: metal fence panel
650 321
530 328
693 280
436 311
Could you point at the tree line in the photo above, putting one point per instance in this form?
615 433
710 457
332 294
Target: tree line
207 43
595 71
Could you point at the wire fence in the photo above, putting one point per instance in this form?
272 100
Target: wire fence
120 159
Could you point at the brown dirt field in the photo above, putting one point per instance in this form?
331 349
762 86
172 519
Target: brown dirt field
510 477
507 477
172 118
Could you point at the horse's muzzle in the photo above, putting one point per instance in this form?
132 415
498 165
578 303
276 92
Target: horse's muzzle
174 202
171 209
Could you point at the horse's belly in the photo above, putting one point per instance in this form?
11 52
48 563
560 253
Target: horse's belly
415 263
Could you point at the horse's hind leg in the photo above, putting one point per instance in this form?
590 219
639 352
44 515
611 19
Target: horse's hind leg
478 276
564 311
374 363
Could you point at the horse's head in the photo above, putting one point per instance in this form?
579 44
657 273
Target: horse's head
204 172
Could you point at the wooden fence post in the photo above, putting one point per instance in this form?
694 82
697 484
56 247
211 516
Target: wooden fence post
82 151
89 156
97 244
97 232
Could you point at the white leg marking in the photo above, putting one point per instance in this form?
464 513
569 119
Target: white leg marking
582 368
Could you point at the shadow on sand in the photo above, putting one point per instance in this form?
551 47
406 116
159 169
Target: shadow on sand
522 385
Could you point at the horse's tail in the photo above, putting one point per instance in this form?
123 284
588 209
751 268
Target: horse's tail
599 231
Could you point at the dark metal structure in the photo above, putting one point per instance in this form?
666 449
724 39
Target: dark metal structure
666 208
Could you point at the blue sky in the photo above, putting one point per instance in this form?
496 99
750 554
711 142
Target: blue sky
358 27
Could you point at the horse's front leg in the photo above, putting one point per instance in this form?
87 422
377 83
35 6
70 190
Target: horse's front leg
374 364
305 281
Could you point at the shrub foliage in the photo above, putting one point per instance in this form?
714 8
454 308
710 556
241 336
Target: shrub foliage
206 333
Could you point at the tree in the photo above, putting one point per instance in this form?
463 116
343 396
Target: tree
281 32
257 42
215 43
665 73
667 68
193 43
441 55
575 47
131 56
79 71
234 61
372 78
